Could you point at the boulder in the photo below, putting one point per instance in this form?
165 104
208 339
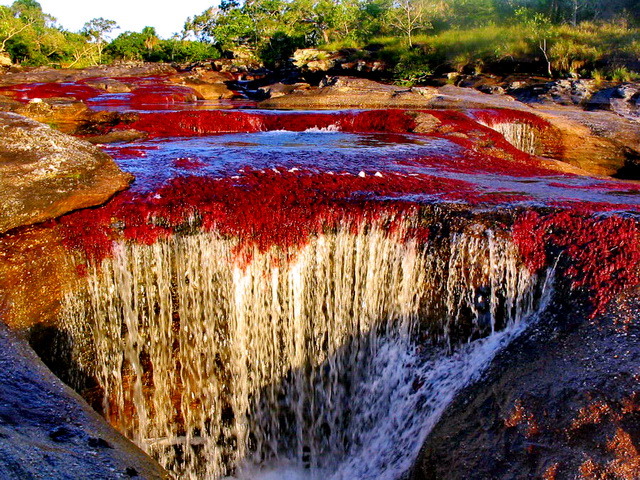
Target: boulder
349 92
109 85
5 59
210 85
276 90
45 173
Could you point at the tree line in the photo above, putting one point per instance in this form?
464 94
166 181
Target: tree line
270 30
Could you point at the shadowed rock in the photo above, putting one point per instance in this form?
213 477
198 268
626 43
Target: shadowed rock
48 431
560 403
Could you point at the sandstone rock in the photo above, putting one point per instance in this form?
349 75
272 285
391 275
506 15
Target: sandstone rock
313 60
109 85
599 142
63 114
45 173
210 85
43 75
35 273
349 92
49 431
116 136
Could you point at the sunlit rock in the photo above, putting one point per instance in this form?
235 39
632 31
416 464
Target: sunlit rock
46 173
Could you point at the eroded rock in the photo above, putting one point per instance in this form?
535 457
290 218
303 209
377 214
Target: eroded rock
45 173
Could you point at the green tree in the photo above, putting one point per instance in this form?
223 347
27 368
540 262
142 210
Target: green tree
97 30
540 32
410 16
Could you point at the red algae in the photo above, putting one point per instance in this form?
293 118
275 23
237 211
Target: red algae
261 208
600 255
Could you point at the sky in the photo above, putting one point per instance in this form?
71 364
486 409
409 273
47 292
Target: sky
167 16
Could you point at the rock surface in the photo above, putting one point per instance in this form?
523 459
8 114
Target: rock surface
208 84
44 173
48 431
560 403
43 74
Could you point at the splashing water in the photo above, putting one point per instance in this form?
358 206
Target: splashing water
332 363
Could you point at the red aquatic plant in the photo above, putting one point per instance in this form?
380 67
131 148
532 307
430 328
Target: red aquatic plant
598 254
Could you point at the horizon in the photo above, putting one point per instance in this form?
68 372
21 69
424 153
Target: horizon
129 15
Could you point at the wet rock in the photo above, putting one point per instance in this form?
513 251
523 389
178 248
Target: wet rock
109 85
62 114
116 136
45 173
601 143
97 442
559 403
45 426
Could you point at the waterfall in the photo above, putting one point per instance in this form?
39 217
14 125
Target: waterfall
521 135
333 360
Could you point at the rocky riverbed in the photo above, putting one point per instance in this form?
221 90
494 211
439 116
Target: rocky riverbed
559 402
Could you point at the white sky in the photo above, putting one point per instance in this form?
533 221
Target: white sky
167 16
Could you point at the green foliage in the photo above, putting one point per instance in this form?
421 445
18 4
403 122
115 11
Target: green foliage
416 37
623 74
413 67
279 49
146 46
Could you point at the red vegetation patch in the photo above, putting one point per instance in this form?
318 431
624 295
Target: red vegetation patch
193 123
599 254
26 92
162 95
521 417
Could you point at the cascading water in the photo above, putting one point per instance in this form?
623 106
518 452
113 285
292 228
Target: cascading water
521 135
332 359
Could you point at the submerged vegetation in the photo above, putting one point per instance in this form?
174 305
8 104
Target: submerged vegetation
414 38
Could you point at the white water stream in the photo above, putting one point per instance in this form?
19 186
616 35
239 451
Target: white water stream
332 364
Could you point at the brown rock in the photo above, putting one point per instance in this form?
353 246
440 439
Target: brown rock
117 136
35 273
280 89
210 85
63 114
602 143
5 59
109 85
348 92
45 173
